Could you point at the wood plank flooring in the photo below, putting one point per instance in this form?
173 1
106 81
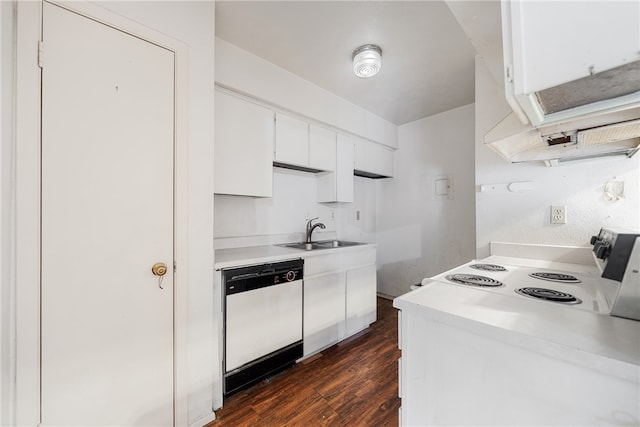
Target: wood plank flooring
353 383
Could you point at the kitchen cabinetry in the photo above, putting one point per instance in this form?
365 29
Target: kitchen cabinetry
300 144
373 160
360 298
243 151
322 148
588 37
339 297
324 304
338 186
595 41
292 141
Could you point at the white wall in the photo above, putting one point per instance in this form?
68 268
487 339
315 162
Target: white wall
525 217
418 234
293 202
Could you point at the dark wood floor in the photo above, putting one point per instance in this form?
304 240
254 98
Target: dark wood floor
353 383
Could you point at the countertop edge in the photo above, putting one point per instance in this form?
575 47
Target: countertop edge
618 360
251 255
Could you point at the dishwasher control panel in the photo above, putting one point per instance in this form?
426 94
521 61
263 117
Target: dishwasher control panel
245 279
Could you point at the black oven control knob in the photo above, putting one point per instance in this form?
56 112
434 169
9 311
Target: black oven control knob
602 250
291 276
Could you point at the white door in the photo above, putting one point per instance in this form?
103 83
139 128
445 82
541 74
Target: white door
361 301
107 217
324 311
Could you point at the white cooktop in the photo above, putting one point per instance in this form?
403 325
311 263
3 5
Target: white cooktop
582 333
594 293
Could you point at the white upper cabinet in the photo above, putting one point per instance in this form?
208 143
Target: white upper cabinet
243 147
292 141
557 42
305 146
322 148
338 186
373 160
566 59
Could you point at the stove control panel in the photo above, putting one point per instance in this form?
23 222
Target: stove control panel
601 248
612 248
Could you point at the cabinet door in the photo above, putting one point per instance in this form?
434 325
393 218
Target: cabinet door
338 186
322 148
381 160
324 311
344 169
243 147
373 158
360 298
292 141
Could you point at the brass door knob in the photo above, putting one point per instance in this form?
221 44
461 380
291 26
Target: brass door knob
159 269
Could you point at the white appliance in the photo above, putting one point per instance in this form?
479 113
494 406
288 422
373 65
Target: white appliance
617 254
526 336
262 321
571 78
612 134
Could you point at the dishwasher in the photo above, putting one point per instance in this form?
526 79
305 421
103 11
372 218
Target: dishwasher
262 321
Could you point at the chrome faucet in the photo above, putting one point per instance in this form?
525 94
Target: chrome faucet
311 227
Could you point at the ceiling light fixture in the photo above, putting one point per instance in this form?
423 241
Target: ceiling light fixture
367 60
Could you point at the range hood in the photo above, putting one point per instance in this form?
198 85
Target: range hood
574 91
600 135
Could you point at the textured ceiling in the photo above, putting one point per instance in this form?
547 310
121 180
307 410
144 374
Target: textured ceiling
427 59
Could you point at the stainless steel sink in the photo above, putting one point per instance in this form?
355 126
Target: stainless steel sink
338 243
305 246
325 244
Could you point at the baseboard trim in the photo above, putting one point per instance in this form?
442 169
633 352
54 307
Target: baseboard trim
385 296
204 420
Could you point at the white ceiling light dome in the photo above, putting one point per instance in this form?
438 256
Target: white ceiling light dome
367 60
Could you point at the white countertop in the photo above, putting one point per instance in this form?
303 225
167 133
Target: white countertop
225 258
597 341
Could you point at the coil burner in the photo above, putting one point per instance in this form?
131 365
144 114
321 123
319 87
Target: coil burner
474 280
556 277
488 267
549 295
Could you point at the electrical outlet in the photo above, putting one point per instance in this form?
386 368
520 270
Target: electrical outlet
357 215
558 214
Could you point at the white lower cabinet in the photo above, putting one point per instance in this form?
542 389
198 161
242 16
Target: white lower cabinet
360 298
324 302
339 297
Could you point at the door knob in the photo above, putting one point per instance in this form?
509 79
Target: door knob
159 269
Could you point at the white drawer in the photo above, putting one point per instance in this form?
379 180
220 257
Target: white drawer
338 260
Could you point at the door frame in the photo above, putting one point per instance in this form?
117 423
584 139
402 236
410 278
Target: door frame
28 207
